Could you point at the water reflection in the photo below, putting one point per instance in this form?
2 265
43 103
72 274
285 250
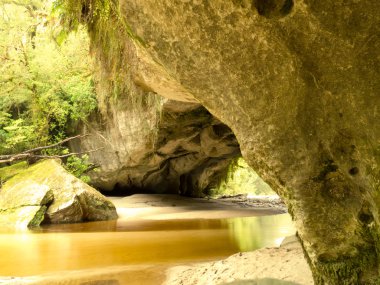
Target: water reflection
257 232
265 281
101 282
57 248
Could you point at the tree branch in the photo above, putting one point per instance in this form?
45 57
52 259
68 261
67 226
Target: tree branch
52 145
31 153
25 156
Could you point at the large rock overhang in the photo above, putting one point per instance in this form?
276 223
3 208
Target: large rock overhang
298 83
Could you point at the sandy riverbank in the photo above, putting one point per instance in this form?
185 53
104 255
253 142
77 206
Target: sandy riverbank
167 207
270 266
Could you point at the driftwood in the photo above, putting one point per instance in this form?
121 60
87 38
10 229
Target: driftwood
34 154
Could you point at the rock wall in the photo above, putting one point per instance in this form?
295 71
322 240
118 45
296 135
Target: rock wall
297 82
148 143
176 148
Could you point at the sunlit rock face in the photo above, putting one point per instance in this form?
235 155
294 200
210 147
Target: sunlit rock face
298 83
46 193
161 146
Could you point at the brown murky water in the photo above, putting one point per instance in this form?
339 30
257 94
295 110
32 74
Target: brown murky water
120 249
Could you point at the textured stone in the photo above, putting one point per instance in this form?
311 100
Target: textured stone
298 83
24 206
22 217
45 192
30 194
299 88
184 149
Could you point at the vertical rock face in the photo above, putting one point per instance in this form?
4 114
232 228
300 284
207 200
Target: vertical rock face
298 83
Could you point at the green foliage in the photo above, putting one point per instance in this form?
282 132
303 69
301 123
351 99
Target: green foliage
79 166
18 133
102 18
45 89
107 29
241 179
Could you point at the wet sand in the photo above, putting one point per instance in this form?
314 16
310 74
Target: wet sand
117 275
167 207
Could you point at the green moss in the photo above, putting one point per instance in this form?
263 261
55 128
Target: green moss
362 268
8 172
348 271
27 216
47 167
106 27
38 218
111 40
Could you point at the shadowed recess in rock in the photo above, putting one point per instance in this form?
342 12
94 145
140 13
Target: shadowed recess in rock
273 8
186 150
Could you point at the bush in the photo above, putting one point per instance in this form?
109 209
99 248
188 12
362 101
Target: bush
45 88
79 166
241 179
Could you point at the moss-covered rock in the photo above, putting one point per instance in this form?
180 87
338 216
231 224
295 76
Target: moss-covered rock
8 172
24 206
46 192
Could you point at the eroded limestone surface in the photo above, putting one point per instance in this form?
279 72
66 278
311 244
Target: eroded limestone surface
298 83
183 149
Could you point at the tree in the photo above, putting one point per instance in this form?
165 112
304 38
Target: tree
45 88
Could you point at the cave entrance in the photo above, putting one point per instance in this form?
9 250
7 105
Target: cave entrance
186 151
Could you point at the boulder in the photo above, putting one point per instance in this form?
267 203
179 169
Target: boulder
46 192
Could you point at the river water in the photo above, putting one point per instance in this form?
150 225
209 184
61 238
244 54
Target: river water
141 247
